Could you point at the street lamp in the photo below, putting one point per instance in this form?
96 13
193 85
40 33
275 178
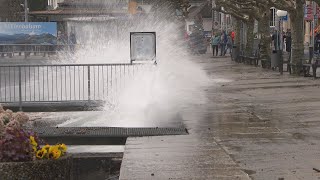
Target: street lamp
26 9
281 14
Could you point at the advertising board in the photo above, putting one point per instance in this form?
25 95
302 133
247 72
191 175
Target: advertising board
28 33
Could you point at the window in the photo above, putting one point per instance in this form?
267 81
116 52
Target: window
273 17
228 20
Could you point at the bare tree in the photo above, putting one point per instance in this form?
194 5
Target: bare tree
14 10
296 10
248 11
9 10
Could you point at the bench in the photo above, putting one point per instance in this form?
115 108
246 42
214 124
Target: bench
241 57
302 67
265 63
287 62
314 65
253 59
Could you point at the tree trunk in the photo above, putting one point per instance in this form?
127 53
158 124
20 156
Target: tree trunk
264 31
237 29
13 11
297 19
250 36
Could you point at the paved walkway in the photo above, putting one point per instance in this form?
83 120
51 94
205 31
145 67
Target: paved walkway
257 124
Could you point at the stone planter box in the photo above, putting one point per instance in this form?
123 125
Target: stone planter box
59 169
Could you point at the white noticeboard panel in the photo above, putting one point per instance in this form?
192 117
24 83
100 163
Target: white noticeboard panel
143 46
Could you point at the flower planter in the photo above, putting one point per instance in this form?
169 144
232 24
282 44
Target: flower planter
59 169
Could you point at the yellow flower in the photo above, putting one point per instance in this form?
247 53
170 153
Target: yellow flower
63 148
55 154
51 148
41 153
33 141
46 147
34 148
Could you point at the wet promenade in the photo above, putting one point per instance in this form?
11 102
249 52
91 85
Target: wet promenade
257 124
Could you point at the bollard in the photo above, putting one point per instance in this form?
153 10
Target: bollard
234 53
275 59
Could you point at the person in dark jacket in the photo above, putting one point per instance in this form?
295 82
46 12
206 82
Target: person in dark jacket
317 42
276 40
229 44
223 42
288 41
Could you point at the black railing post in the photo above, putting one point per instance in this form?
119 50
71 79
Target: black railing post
89 84
20 90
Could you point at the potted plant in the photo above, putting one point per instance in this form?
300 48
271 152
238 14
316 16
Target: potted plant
22 157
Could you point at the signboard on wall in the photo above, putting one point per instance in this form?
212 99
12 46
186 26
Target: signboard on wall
308 12
285 18
28 32
143 46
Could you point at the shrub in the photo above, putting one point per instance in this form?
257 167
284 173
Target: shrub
19 145
10 120
15 146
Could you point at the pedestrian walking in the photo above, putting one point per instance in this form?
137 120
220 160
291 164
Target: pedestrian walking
233 35
215 40
317 42
288 41
229 44
223 42
276 40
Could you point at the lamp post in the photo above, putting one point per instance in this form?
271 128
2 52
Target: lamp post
26 10
281 14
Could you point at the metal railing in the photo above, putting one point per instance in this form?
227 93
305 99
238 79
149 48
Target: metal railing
63 82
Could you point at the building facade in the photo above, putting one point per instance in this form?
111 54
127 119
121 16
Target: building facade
310 24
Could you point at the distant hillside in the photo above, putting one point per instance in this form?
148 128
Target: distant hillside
44 38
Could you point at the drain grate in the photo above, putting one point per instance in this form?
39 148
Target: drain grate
106 131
